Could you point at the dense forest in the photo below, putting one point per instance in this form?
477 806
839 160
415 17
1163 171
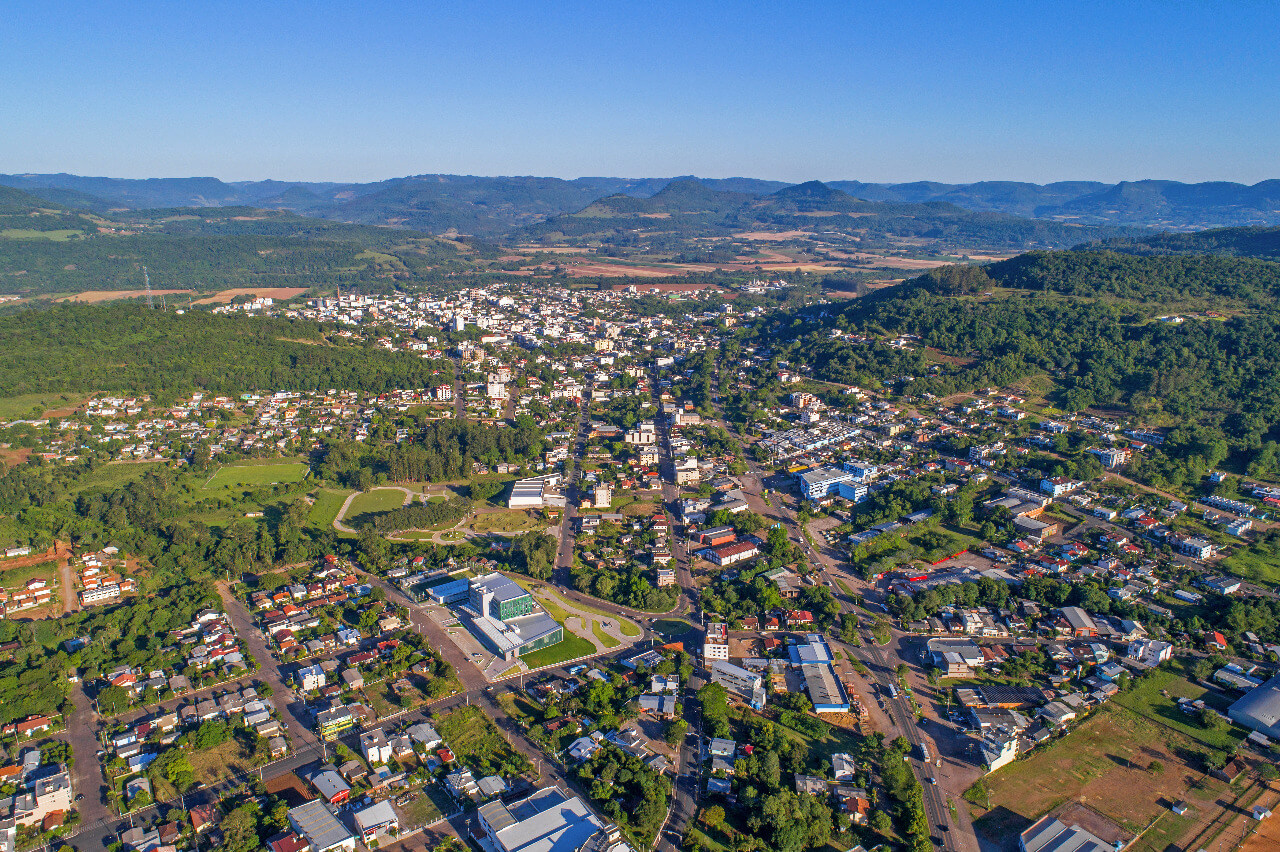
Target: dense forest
438 450
125 347
1238 242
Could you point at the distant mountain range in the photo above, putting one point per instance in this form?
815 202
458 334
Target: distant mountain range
494 206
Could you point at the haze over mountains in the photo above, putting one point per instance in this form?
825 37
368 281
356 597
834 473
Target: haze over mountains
492 206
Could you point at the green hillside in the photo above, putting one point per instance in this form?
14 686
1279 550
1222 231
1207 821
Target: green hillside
125 347
1082 322
46 248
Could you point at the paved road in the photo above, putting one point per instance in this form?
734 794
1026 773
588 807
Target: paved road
291 709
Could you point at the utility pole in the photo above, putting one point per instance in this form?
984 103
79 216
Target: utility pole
146 280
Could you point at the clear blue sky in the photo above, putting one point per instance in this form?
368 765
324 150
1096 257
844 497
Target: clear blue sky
876 91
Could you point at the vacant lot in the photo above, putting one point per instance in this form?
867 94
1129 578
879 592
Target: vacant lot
257 475
470 735
1155 697
1105 763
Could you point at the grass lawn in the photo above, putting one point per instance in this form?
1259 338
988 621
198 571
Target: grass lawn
1146 699
604 638
372 502
1168 829
551 604
325 509
18 407
1104 763
269 472
469 733
570 649
508 520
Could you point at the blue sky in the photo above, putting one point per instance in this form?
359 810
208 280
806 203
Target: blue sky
875 91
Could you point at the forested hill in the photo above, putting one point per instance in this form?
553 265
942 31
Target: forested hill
690 209
1154 281
1237 242
127 348
1213 379
48 248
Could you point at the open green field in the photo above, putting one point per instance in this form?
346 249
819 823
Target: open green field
325 510
1257 564
14 578
570 649
248 475
373 502
24 406
506 521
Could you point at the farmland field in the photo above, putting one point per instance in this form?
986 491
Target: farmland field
58 236
256 475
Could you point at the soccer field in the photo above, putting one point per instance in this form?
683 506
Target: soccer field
253 475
